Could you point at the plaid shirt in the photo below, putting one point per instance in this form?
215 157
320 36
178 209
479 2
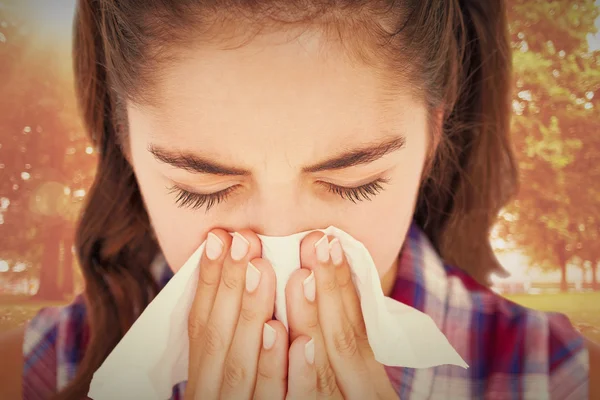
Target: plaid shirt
513 352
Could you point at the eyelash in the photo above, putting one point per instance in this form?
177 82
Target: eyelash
360 193
194 201
188 199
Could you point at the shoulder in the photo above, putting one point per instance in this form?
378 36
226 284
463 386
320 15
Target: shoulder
53 345
515 342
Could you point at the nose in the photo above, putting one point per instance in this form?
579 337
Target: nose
282 214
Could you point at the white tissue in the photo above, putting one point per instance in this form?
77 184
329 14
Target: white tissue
153 356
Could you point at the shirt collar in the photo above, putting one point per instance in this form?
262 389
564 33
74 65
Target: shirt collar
421 279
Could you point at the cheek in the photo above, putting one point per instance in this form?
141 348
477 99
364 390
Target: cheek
178 231
178 236
383 230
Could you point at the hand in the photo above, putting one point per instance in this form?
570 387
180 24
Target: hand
322 304
236 350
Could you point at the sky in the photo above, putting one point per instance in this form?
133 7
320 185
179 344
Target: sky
55 17
594 40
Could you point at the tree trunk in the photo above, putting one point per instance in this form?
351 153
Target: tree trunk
49 288
562 263
594 275
563 277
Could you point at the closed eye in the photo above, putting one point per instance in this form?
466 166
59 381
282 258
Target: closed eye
359 193
187 199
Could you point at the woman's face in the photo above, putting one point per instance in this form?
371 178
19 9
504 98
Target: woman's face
280 128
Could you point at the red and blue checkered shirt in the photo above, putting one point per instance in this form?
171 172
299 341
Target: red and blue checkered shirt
513 352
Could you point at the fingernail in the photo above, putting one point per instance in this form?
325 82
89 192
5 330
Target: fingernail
239 247
322 249
309 287
214 246
252 278
335 250
269 336
309 351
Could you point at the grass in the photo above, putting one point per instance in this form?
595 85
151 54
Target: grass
583 309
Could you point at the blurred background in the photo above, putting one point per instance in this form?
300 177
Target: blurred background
547 238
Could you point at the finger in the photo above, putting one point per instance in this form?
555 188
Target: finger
353 311
271 380
302 314
350 299
340 341
304 321
209 276
257 308
221 324
302 375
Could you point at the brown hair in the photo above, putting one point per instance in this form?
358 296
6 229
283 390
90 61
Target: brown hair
455 52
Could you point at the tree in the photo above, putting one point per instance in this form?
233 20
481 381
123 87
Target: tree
46 160
554 130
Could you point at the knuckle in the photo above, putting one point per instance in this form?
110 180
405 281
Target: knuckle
345 341
344 280
329 285
234 374
362 339
207 279
230 279
264 374
248 314
326 384
195 328
311 322
213 341
270 373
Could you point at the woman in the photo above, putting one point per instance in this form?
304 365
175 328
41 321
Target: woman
387 119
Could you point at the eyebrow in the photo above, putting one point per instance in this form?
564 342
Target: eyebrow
358 156
349 158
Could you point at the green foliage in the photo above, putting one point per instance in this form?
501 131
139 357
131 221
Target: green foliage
557 84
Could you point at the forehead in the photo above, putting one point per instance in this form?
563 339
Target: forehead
288 90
